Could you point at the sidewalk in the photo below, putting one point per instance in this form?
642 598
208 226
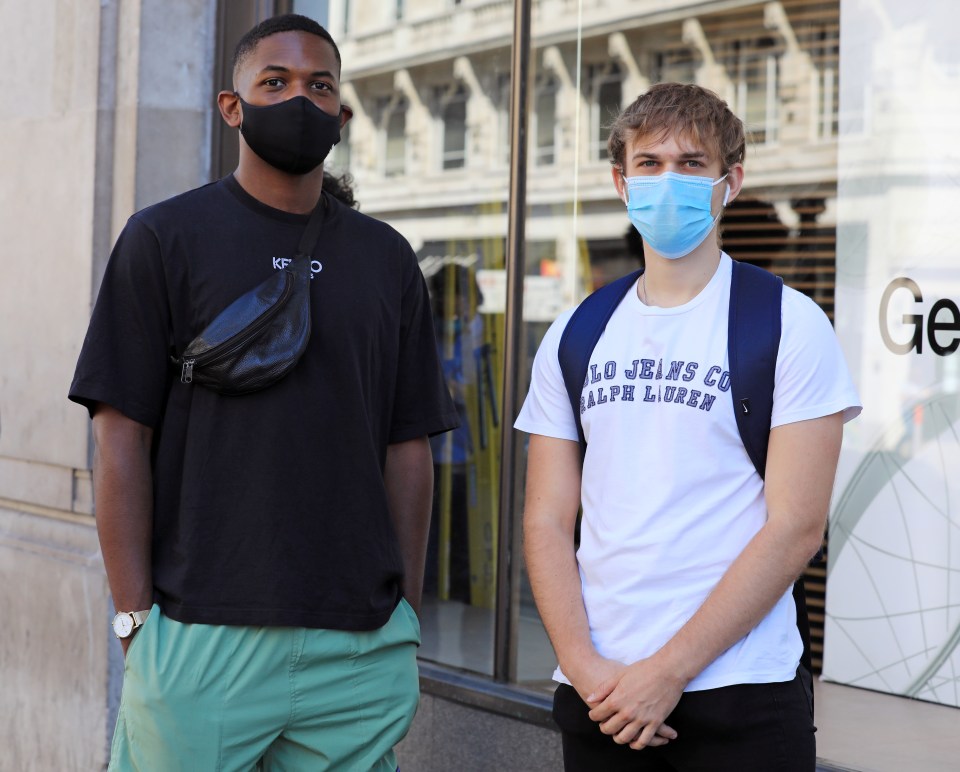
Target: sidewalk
866 731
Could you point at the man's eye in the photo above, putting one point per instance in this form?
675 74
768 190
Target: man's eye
273 82
321 86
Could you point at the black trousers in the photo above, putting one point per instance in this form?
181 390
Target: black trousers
742 728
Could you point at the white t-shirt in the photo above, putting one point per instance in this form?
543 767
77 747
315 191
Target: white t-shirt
670 497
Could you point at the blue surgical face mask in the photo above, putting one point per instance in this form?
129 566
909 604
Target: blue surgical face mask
672 211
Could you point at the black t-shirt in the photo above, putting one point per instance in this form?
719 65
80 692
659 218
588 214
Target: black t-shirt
269 508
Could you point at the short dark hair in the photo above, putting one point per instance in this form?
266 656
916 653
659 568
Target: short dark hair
683 109
288 22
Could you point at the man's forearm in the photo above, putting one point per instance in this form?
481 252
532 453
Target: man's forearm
801 465
549 521
751 587
555 581
408 478
123 495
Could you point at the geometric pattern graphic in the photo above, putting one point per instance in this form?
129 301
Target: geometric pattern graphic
893 623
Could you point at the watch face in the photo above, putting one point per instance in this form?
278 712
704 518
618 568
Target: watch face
123 625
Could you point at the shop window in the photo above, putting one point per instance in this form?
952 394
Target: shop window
465 282
573 245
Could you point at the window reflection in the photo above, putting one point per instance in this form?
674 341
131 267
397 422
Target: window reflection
432 98
606 97
395 137
453 112
460 580
545 120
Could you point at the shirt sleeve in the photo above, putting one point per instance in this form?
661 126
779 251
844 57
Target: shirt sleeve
812 379
546 410
422 402
124 359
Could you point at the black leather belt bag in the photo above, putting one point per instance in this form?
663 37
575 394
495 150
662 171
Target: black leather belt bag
261 335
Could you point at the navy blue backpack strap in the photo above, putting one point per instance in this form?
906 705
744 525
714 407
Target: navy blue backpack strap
753 339
581 334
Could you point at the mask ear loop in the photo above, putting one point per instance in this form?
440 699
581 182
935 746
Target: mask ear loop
237 95
726 196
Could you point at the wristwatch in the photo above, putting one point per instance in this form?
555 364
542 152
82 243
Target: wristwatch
126 622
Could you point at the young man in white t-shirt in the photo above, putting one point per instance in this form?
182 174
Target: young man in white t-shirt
673 620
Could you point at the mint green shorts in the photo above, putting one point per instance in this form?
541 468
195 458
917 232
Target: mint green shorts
237 699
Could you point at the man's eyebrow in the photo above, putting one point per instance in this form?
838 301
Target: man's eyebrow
693 154
281 68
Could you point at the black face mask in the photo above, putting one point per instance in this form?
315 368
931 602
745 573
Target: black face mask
295 136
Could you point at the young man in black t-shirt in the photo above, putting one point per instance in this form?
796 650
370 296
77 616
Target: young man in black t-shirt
265 552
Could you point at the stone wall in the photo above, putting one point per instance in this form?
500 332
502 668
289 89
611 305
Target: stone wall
108 108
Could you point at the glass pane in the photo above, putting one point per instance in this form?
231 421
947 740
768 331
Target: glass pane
778 70
893 559
412 91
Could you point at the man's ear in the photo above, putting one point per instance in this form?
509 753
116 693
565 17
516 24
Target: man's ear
230 110
346 113
735 181
619 183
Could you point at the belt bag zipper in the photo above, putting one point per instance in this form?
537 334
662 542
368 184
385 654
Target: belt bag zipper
232 344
